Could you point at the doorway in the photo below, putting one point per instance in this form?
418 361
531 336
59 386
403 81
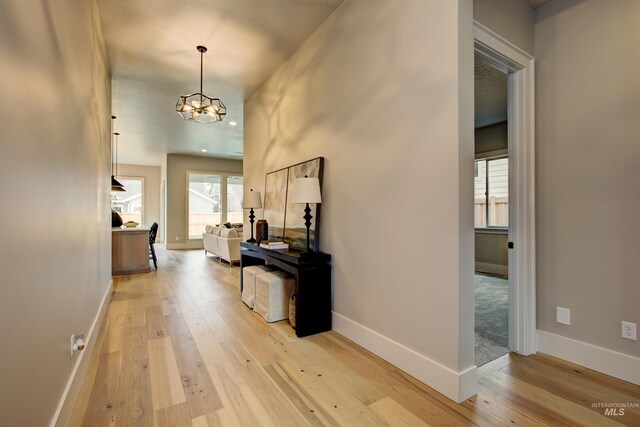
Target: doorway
491 212
518 67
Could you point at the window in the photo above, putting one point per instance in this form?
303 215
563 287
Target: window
130 203
212 199
491 188
234 199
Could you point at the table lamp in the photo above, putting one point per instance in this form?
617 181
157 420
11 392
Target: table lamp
306 190
252 201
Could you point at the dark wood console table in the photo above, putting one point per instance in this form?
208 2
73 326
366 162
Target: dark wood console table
312 272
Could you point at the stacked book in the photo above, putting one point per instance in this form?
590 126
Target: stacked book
274 244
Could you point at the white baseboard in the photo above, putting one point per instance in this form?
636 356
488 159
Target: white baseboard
485 267
187 245
67 401
457 386
618 365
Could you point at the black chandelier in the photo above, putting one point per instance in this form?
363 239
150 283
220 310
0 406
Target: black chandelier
198 107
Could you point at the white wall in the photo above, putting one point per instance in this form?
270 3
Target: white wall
151 175
55 221
382 91
177 167
587 169
512 19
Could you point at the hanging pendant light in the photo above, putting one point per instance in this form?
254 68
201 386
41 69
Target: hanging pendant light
198 107
115 184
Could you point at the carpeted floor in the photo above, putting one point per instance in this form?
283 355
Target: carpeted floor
492 303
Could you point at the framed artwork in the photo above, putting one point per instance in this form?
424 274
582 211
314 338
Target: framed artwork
285 219
275 202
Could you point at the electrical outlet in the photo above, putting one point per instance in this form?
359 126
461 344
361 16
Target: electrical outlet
629 330
563 315
177 238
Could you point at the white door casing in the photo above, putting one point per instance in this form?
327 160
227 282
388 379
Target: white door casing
521 115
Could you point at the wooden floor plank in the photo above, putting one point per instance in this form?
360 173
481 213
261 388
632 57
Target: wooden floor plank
343 404
134 345
575 389
312 413
394 414
166 384
135 407
156 325
184 327
202 397
239 400
173 416
276 404
551 404
218 418
502 413
103 402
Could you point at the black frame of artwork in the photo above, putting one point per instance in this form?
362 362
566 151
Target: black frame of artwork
277 205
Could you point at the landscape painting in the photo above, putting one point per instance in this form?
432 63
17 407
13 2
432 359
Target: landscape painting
275 202
295 230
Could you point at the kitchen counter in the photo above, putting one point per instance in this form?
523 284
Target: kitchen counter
130 250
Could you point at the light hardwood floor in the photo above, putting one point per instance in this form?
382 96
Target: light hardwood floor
179 348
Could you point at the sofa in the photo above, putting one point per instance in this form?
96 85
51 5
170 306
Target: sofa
222 242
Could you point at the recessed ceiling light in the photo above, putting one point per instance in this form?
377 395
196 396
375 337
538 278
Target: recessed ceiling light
233 123
204 150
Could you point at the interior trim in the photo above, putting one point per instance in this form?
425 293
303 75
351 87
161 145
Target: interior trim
521 112
618 365
457 386
68 399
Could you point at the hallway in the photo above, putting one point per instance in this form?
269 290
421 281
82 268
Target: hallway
179 348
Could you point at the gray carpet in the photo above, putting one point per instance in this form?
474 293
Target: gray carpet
492 304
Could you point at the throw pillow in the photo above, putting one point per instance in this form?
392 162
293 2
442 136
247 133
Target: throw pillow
229 233
208 229
216 231
228 225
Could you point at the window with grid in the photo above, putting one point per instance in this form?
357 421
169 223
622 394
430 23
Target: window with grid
491 193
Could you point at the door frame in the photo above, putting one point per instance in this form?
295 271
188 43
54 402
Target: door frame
519 66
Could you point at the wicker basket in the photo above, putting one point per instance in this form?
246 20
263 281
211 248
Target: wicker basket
292 311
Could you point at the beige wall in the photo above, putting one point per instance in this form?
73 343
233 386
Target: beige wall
382 91
55 221
491 248
151 175
177 167
492 138
512 19
587 169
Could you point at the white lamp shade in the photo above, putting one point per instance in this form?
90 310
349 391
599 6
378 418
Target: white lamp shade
252 201
306 190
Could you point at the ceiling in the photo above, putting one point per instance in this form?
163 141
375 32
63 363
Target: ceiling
151 45
491 94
